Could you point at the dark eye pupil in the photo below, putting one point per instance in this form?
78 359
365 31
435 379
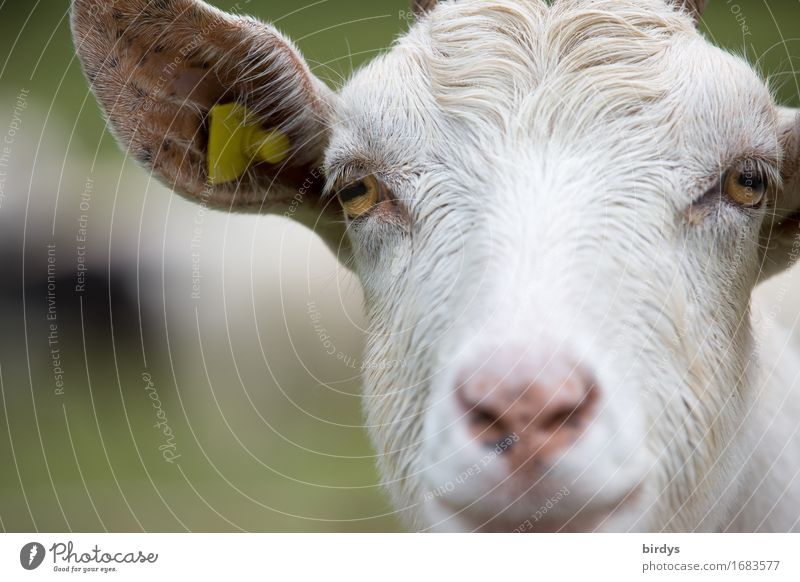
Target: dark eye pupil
751 179
353 192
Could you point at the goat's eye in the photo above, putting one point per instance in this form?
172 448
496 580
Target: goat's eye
359 197
746 185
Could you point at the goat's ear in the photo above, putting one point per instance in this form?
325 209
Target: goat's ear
162 69
693 7
780 235
420 7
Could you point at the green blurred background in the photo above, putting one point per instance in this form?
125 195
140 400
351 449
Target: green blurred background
258 378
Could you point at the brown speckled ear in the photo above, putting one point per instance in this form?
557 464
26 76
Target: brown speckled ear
158 66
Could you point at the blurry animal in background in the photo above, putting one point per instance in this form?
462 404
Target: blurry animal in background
62 292
558 214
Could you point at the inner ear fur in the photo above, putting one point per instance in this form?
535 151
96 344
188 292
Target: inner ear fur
158 66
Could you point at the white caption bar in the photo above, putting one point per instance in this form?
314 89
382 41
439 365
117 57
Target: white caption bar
356 557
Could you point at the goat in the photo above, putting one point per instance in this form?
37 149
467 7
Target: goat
558 215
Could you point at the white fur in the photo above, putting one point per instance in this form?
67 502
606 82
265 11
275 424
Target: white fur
551 171
551 160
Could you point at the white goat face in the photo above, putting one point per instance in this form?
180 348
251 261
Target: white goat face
558 215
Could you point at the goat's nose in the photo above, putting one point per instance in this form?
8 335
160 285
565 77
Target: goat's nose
537 406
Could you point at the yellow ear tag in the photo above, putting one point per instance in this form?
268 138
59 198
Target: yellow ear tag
233 145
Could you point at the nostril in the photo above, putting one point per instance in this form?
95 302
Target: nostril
558 420
481 417
546 414
569 416
487 423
